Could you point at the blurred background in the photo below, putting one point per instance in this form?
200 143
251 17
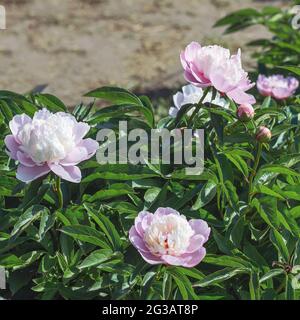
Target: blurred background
74 46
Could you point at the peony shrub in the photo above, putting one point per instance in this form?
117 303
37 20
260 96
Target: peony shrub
72 228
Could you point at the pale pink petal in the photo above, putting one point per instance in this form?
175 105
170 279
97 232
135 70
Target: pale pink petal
142 221
196 243
75 156
12 145
173 260
25 160
85 150
195 258
165 211
137 241
69 173
43 114
178 99
150 258
245 84
220 82
191 50
199 77
200 227
241 97
188 76
281 93
90 145
18 122
293 83
188 260
28 174
80 130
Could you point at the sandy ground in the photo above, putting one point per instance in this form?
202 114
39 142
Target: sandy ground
74 46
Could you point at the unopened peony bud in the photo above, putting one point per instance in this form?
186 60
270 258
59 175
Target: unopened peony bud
263 134
245 112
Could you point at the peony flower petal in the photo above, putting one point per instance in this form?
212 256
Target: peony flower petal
28 174
150 258
137 241
75 156
220 82
173 260
90 145
196 243
25 160
195 258
69 173
142 221
165 211
80 130
281 93
188 76
191 50
189 260
43 114
17 123
12 146
173 112
178 99
241 97
85 150
200 227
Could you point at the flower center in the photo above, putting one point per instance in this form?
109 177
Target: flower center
168 235
48 138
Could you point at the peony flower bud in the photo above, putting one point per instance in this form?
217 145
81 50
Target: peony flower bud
263 135
49 142
245 112
166 237
215 66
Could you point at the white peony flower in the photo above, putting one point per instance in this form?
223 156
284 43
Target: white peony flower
193 94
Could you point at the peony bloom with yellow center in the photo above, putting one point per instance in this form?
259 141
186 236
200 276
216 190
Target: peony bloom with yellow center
166 237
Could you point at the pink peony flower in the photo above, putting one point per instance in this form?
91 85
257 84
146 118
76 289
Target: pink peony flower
277 86
245 112
263 134
49 142
214 66
166 237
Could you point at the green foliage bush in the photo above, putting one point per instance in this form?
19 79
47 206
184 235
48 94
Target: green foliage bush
249 193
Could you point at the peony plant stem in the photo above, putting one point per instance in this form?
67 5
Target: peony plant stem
197 107
59 192
253 173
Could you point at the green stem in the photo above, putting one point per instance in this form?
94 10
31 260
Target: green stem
197 107
59 192
253 173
